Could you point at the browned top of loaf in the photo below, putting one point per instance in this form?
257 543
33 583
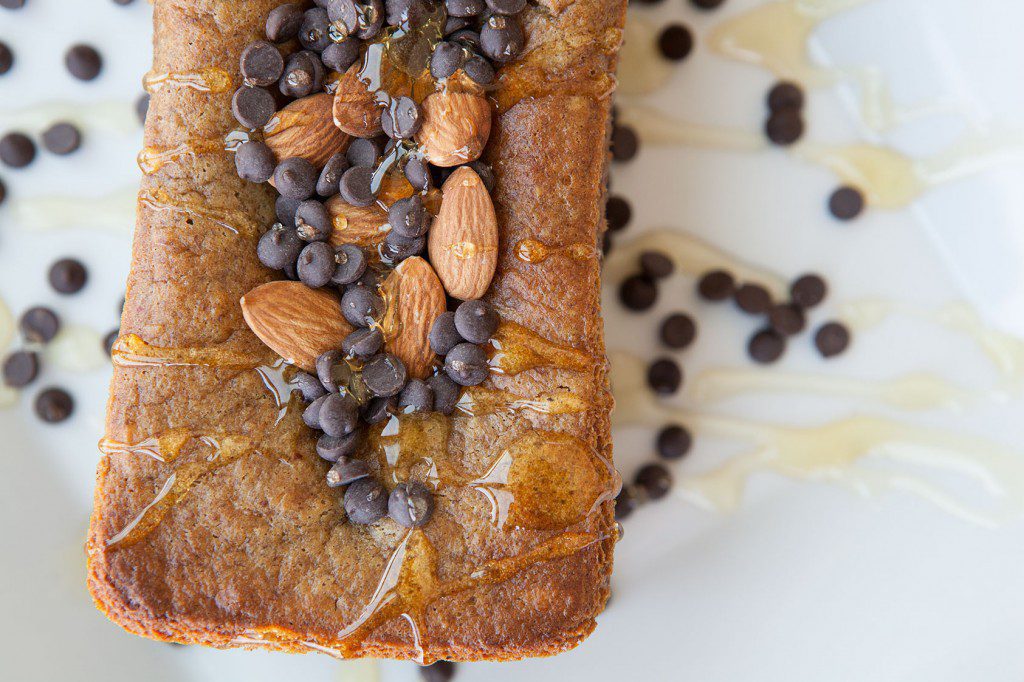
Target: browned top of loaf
260 545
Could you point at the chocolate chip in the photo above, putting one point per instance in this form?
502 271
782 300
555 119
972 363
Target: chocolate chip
784 127
638 292
54 405
624 143
485 172
678 330
366 501
379 409
363 343
618 213
39 324
20 368
346 471
447 59
664 376
332 449
330 176
766 346
438 671
253 107
506 6
309 386
3 192
831 339
314 32
408 217
466 364
464 8
385 375
716 285
673 442
364 152
84 62
476 321
401 119
397 248
753 298
12 4
285 209
417 396
479 69
339 415
444 335
371 19
356 186
261 63
333 371
68 276
787 319
283 22
785 95
303 74
312 222
502 38
656 264
110 339
411 504
846 203
254 162
17 150
446 393
295 178
453 24
340 56
655 480
345 17
349 264
62 138
626 502
416 172
6 58
414 12
279 247
311 415
707 4
808 291
315 264
142 107
675 42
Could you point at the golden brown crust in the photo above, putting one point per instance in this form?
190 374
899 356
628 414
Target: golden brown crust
257 552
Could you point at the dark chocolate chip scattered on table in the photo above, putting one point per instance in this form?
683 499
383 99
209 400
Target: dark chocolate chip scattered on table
785 95
39 324
846 203
664 376
678 330
787 319
707 4
142 107
638 293
618 212
83 62
626 503
17 150
753 298
808 291
655 480
6 58
62 138
656 264
54 405
624 143
716 285
20 368
675 42
110 339
784 127
673 442
12 4
766 346
831 339
68 276
439 671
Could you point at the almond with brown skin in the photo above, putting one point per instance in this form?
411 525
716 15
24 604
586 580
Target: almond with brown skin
296 322
414 298
306 128
463 241
359 225
455 127
355 108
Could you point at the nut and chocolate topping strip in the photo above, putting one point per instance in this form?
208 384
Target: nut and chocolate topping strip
217 519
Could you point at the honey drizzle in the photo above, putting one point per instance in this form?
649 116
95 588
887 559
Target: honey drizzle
534 251
467 250
210 79
515 349
164 448
410 583
235 222
152 159
478 401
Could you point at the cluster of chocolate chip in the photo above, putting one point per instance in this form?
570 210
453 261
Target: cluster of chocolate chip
477 31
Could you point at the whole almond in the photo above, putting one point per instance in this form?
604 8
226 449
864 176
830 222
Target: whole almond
306 128
455 127
463 241
355 108
296 322
414 298
359 225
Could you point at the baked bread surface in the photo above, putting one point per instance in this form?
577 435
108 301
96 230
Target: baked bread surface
246 545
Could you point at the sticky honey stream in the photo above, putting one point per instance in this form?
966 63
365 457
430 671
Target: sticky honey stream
235 222
534 251
210 79
515 349
152 159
